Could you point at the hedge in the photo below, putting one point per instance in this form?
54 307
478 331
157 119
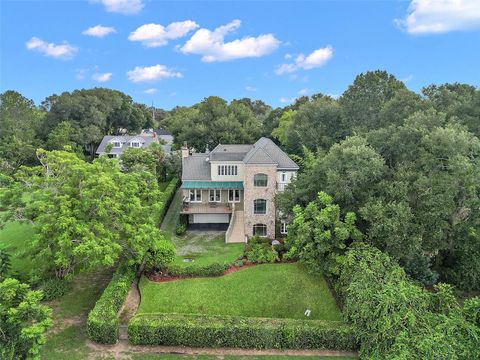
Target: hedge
211 270
239 332
167 196
102 322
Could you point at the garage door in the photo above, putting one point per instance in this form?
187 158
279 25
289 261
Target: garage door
210 218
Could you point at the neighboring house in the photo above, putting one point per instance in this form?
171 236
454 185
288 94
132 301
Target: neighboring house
233 188
163 135
147 137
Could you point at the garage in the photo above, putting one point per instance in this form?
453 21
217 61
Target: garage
208 221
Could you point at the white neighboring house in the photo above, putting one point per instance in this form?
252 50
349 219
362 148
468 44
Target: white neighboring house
122 142
233 188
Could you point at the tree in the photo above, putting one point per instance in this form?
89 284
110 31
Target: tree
160 255
87 215
319 237
285 121
63 135
20 121
5 264
23 321
363 101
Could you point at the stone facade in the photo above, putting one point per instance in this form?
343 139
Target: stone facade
252 192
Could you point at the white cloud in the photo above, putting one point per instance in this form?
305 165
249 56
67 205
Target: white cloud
314 60
102 77
80 74
126 7
152 35
286 100
304 91
61 51
212 46
440 16
150 91
151 73
407 78
99 31
250 88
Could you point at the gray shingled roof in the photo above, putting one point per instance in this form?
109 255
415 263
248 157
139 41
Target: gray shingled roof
144 140
229 152
276 155
195 167
264 152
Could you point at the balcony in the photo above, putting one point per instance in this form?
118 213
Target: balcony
206 208
281 186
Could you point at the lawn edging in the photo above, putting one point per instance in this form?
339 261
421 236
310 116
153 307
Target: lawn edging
239 332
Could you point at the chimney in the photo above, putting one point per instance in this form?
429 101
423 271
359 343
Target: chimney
185 150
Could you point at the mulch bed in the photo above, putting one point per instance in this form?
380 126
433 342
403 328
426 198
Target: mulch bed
166 277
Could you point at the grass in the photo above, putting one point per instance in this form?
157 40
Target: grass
270 290
17 239
204 247
143 356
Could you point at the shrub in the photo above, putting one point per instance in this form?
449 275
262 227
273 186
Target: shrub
162 254
212 270
471 310
54 288
167 196
181 229
102 322
239 263
261 253
239 332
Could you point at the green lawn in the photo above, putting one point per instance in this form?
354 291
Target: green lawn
270 290
204 247
17 239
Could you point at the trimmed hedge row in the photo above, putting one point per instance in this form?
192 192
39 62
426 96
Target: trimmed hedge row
211 270
102 322
239 332
167 196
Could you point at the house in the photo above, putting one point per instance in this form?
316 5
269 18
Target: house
144 139
233 188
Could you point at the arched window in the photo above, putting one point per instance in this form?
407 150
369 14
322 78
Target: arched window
260 206
260 180
260 229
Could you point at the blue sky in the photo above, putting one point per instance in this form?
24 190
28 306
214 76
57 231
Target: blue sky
274 51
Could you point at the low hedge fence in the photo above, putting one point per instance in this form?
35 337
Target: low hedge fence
239 332
167 196
102 322
193 270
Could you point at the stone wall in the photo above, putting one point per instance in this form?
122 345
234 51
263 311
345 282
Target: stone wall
252 192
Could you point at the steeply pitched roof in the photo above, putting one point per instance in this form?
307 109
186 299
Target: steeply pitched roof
196 167
275 155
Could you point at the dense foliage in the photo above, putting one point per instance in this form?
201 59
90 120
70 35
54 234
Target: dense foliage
239 332
102 322
85 214
23 321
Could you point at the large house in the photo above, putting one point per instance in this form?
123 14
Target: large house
233 188
120 143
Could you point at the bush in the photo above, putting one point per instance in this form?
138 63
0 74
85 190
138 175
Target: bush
102 322
239 332
167 196
212 270
471 310
181 229
162 254
261 253
54 288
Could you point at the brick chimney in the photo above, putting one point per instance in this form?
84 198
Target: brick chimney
185 152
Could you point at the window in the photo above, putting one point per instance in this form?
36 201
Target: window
234 195
215 196
283 227
135 144
260 180
227 170
260 229
259 207
196 195
284 177
117 144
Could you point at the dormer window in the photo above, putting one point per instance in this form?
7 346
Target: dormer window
135 144
117 144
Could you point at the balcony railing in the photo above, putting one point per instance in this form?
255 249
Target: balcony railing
206 208
281 186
